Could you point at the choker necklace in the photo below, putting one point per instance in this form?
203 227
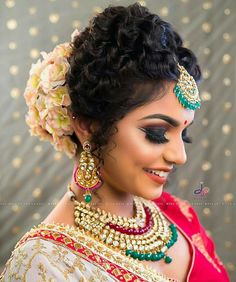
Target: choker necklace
147 236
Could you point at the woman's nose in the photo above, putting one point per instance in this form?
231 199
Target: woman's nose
175 152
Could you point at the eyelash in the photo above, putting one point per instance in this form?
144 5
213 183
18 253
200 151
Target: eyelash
157 136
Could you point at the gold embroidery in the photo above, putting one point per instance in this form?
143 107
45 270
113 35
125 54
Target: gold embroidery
199 243
59 251
114 256
117 272
184 206
218 259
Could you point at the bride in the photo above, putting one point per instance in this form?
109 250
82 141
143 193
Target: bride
118 100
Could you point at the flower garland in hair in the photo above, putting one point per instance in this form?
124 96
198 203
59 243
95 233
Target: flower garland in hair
48 99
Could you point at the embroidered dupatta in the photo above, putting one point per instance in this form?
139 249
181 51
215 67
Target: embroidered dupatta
56 252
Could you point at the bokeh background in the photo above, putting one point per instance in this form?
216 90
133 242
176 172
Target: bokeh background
33 177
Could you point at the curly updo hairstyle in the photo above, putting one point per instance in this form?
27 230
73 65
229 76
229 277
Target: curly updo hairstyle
118 63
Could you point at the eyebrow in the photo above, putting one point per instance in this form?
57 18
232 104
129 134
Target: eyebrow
168 119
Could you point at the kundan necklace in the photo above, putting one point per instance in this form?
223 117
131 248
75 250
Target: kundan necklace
146 236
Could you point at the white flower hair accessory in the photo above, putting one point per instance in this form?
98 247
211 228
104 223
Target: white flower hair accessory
48 99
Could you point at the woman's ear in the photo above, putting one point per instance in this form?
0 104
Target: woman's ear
82 128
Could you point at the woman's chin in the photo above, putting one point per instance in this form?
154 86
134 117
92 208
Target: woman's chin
152 194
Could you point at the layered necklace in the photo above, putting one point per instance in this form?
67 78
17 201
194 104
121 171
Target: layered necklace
146 236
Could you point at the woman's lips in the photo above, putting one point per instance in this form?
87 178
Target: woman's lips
156 178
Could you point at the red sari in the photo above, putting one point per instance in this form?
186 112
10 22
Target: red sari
206 265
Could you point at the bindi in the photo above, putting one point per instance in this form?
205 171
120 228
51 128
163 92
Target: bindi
185 122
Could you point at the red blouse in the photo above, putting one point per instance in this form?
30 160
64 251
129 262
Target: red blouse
206 265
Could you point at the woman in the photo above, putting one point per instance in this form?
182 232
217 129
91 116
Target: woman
118 99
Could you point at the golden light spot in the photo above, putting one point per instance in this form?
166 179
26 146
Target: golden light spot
142 3
228 244
34 53
54 18
12 24
10 3
15 93
32 10
75 4
14 70
205 122
206 27
183 183
97 10
15 208
227 175
206 166
185 20
38 148
36 216
227 81
207 51
16 115
227 219
227 37
227 12
37 192
57 156
227 106
16 139
15 230
227 153
76 24
33 31
16 162
228 197
164 11
230 266
54 38
205 143
37 170
12 45
206 211
206 73
184 1
209 233
207 5
206 96
186 43
226 58
226 128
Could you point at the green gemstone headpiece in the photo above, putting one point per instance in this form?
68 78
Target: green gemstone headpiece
186 90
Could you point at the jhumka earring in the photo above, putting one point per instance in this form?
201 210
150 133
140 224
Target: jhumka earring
186 90
87 175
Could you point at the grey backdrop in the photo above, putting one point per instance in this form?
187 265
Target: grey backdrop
33 176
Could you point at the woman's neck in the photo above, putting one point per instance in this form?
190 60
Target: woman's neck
108 199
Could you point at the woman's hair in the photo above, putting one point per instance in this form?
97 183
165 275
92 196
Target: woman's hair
119 62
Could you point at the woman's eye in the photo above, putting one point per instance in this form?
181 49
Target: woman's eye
186 139
155 136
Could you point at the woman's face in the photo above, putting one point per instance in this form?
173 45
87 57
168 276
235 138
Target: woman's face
137 147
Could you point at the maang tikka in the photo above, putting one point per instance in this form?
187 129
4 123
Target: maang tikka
87 175
186 90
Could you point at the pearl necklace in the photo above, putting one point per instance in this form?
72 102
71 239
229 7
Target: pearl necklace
146 236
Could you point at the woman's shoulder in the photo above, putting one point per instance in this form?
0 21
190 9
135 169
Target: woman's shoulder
45 254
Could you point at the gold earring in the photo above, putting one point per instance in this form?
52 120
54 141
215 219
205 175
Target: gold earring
86 174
